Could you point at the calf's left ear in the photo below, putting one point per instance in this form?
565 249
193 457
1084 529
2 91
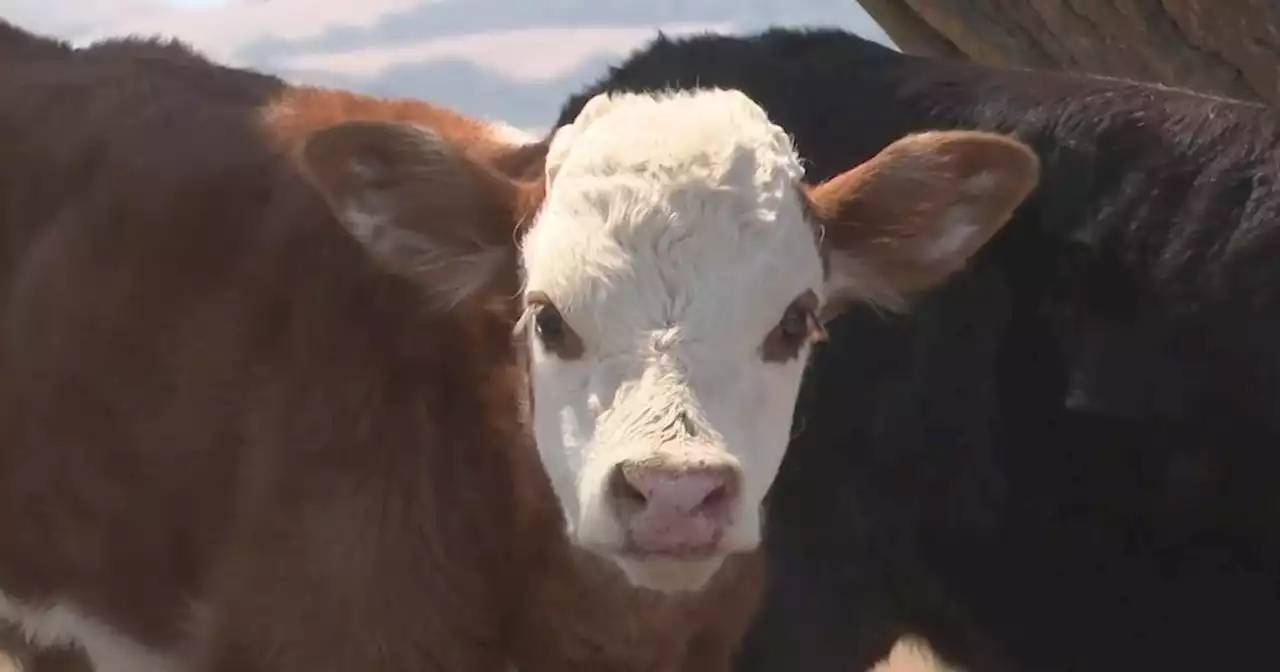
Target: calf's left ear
917 211
419 209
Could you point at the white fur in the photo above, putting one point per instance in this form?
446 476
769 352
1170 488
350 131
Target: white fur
959 228
672 240
961 224
61 624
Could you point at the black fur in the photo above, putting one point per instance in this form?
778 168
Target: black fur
1067 459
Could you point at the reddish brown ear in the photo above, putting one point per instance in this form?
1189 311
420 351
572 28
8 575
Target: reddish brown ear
917 211
418 208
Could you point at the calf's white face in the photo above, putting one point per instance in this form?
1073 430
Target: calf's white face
675 284
675 279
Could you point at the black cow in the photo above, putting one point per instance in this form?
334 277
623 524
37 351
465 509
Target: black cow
1068 459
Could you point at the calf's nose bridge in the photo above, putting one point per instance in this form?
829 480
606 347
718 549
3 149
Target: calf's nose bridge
679 458
660 397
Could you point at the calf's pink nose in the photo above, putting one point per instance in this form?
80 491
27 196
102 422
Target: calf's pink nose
674 509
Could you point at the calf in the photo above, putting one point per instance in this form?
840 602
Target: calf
261 406
1066 458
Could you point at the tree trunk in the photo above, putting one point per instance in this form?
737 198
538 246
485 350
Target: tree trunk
1227 47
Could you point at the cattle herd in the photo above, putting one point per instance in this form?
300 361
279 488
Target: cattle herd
777 350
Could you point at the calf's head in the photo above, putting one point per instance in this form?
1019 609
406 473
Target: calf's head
673 282
676 278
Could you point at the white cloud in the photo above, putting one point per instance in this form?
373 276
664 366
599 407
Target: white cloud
218 28
73 16
530 54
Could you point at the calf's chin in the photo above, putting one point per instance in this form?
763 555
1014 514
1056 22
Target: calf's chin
669 574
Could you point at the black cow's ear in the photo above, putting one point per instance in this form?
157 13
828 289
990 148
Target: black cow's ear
917 211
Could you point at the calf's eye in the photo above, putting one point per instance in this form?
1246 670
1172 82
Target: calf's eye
795 323
799 325
549 325
551 329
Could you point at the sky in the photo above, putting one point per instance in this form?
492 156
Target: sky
509 60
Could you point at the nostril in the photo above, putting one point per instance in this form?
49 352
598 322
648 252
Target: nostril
624 490
716 501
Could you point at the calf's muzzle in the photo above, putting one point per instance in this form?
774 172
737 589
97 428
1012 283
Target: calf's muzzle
674 508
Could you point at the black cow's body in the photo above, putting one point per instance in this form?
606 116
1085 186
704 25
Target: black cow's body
1068 460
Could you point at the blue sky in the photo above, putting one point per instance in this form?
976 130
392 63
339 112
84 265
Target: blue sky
514 60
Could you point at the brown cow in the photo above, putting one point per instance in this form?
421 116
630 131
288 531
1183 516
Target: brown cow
261 407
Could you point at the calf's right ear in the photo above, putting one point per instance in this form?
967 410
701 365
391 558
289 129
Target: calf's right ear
419 208
917 211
